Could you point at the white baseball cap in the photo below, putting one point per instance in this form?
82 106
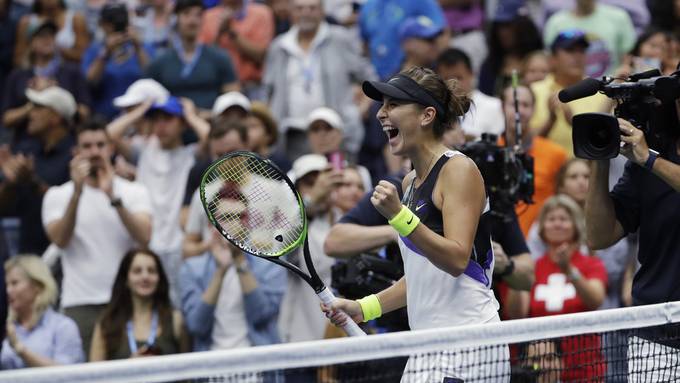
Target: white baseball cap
142 90
58 99
228 100
307 164
326 115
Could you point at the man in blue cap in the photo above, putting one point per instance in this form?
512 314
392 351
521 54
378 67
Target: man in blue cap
609 28
552 118
418 37
163 167
379 21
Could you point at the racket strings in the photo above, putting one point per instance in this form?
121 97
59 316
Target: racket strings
254 206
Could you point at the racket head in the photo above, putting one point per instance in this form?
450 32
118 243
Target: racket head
253 204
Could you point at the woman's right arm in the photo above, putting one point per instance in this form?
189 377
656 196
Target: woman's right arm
392 298
98 346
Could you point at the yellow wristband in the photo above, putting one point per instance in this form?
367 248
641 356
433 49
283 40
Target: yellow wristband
405 221
370 307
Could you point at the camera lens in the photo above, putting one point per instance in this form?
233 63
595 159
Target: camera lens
595 136
600 137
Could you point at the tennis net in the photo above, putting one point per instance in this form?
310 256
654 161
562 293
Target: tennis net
638 344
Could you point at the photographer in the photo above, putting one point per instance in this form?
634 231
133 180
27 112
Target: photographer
646 198
362 229
650 184
113 64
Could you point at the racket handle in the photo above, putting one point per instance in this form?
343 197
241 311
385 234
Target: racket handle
351 328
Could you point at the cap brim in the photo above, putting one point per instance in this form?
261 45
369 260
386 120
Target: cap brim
377 90
165 109
37 98
432 32
126 100
570 44
222 109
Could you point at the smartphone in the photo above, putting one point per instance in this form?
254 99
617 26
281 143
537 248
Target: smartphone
337 160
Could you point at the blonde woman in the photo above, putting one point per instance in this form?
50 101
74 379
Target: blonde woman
36 335
567 281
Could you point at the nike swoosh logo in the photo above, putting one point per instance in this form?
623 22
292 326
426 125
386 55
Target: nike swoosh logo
418 207
409 221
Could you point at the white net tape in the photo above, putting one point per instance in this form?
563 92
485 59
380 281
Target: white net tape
336 351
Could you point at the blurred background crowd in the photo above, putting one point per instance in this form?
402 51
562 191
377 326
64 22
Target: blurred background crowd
112 110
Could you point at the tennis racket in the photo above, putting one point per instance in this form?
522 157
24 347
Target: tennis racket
257 208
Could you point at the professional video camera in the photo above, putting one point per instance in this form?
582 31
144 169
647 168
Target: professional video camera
508 173
645 99
369 274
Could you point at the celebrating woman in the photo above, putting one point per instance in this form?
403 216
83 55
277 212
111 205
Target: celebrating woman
446 248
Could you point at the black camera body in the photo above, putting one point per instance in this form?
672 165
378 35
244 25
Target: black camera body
369 274
508 173
364 274
646 99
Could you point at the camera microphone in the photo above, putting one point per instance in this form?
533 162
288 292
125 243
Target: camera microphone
581 89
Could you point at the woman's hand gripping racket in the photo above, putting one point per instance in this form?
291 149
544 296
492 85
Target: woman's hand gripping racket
257 208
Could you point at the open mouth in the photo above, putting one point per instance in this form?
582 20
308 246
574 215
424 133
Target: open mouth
390 131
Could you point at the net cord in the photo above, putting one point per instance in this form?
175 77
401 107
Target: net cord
335 351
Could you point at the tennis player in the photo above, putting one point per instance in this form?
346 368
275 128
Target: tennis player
448 257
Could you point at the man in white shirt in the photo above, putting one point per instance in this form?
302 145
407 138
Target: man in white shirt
95 219
485 114
163 167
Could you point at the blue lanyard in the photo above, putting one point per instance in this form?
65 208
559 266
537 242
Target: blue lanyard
309 65
188 66
132 342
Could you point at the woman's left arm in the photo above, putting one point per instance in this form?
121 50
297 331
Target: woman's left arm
591 291
461 188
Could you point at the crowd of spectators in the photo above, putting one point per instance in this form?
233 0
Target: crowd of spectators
111 111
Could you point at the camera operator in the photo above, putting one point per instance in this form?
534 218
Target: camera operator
362 229
649 184
646 198
548 156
